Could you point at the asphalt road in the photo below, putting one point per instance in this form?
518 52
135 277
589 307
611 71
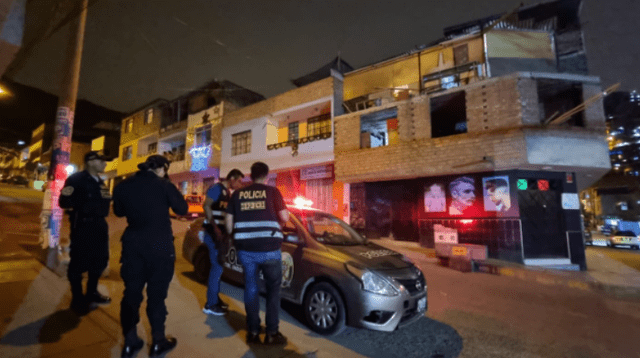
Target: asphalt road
625 255
470 314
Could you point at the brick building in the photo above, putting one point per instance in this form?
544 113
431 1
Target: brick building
463 136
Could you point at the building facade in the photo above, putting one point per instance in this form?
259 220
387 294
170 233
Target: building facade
293 134
467 139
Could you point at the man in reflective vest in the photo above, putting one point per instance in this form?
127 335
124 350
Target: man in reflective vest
254 216
215 237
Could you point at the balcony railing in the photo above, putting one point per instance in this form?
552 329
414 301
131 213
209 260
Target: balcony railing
295 142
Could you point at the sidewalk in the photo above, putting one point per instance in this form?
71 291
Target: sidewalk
604 274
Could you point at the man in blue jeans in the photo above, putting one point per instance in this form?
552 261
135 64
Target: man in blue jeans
255 215
215 205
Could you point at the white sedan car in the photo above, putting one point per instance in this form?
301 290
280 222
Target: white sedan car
624 238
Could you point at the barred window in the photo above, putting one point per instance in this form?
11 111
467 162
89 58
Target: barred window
319 125
293 131
241 143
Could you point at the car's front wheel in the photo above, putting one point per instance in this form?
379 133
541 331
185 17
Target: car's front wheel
324 309
202 265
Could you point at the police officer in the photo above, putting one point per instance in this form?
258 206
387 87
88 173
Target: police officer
88 201
255 215
148 254
215 205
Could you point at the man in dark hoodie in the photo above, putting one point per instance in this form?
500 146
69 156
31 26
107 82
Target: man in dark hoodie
148 254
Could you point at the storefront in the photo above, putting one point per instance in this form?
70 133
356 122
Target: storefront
521 216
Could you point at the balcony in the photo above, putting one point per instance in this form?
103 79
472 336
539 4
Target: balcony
294 143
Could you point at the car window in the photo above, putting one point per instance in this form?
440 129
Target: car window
328 229
625 233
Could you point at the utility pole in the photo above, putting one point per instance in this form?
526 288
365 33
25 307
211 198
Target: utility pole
51 216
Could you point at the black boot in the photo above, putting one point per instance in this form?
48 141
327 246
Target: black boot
129 350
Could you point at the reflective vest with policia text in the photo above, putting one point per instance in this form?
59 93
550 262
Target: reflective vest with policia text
256 226
219 207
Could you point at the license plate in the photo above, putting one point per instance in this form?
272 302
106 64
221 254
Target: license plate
459 251
422 304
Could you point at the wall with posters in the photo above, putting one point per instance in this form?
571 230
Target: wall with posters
490 208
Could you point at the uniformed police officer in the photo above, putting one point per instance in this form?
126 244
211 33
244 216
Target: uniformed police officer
88 201
148 254
215 205
255 215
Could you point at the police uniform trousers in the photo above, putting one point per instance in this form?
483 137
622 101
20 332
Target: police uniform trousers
89 252
153 268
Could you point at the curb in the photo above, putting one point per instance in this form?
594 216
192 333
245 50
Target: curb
547 278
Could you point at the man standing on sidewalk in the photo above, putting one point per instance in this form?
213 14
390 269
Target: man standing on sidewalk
254 215
89 200
148 254
215 205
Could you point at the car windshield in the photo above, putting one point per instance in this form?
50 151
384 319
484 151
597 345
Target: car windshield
193 199
625 233
328 229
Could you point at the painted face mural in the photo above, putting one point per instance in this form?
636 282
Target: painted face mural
463 195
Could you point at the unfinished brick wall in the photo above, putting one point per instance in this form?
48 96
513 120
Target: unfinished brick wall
462 153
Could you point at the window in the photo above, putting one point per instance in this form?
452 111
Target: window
152 148
148 116
461 54
379 128
203 136
127 153
559 97
293 131
241 143
128 125
448 115
319 125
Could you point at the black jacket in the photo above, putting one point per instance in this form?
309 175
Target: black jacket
145 200
85 196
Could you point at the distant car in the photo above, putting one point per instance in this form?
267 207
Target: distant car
624 238
588 238
19 180
336 275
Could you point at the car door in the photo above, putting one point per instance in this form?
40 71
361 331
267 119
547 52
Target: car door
292 248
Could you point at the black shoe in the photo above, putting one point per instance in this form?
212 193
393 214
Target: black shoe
216 310
163 346
275 339
253 338
129 350
96 297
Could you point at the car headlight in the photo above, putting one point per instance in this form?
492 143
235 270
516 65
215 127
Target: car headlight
372 282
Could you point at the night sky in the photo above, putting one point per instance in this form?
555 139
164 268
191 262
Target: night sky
136 51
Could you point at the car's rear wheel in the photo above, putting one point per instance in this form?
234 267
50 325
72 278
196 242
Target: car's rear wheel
324 309
202 265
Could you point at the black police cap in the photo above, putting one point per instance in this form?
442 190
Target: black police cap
154 162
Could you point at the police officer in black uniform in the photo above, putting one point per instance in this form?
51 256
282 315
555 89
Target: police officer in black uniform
148 254
216 238
255 215
88 201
